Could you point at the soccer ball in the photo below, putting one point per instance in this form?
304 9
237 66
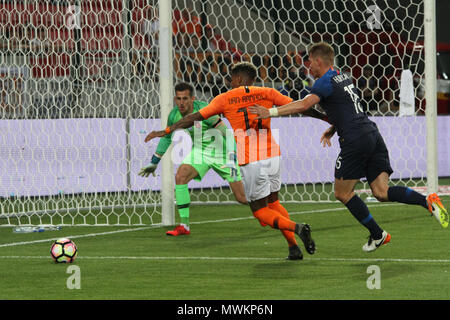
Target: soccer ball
63 250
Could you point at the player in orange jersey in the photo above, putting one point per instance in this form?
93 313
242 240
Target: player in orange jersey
257 151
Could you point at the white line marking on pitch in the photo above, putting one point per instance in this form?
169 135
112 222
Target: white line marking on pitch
238 259
160 226
73 237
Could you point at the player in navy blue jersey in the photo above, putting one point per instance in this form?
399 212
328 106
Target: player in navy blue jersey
363 151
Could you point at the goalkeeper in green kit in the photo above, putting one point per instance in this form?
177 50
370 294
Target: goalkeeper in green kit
203 156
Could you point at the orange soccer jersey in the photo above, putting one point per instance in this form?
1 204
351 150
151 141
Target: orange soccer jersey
254 138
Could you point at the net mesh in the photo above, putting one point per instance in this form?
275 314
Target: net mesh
79 92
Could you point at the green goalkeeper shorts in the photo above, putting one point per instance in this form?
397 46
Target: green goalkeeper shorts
201 161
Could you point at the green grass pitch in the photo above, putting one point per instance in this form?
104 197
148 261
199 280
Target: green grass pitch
230 256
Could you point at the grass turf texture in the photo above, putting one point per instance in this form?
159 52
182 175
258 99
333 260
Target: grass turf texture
230 256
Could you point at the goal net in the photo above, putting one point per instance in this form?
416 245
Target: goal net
80 91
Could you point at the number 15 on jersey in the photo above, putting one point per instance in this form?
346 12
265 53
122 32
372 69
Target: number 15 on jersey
350 89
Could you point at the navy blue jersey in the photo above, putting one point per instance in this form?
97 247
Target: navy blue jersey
341 102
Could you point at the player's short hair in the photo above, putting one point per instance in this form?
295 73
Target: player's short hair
322 50
183 86
245 68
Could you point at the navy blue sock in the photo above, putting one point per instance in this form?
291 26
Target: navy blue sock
360 211
406 195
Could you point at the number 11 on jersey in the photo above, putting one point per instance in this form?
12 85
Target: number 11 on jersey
247 122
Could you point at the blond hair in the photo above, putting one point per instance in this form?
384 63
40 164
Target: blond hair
322 50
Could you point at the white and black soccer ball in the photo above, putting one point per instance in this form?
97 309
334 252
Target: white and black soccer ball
63 250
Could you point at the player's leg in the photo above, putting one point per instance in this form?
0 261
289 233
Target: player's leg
432 202
383 192
274 204
185 173
232 175
379 170
270 217
344 192
294 251
274 171
257 188
237 187
192 167
276 220
351 166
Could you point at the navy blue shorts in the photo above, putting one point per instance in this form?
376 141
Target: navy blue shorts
365 157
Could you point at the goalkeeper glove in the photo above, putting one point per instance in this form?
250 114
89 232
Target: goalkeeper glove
150 169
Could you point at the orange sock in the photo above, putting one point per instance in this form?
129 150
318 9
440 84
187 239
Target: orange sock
274 219
289 235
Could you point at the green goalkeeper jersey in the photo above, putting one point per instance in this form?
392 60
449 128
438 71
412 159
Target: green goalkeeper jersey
206 138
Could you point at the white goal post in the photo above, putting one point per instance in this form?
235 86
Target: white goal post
430 93
83 82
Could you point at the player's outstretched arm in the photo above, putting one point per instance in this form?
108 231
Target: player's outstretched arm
184 123
299 106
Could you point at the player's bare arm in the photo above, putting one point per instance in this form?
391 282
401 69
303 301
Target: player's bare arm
186 122
299 106
325 140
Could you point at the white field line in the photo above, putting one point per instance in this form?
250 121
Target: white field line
73 237
12 244
213 258
237 259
